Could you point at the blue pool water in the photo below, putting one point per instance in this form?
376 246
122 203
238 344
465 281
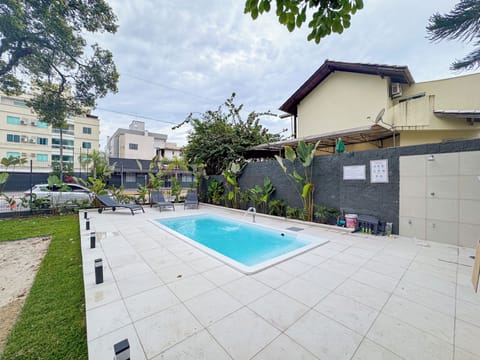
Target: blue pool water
247 244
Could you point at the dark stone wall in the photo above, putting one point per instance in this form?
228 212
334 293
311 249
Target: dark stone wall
352 196
23 181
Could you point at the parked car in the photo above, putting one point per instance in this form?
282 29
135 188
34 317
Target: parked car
60 195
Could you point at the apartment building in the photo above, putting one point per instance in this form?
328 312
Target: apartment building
138 143
22 135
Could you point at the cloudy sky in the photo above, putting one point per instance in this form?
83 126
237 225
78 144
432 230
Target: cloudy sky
181 57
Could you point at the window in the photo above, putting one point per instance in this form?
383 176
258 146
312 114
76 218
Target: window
42 141
133 146
42 157
86 145
42 125
130 177
19 103
13 138
13 154
87 130
66 158
13 120
67 144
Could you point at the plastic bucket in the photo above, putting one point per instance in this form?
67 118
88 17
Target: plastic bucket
351 220
388 228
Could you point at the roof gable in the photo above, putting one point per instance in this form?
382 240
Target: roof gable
399 74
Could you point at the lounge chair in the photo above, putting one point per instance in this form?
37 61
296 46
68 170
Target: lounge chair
107 202
191 200
159 199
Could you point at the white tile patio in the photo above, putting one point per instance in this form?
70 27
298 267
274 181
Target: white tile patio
357 297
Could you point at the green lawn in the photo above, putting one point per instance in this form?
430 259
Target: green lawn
52 322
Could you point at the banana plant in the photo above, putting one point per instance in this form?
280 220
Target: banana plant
305 154
261 195
231 175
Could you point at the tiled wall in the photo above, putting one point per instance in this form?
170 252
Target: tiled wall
440 197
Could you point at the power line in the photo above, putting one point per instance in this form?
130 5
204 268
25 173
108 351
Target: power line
136 115
167 87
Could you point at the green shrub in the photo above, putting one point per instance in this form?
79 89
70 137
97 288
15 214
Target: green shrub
295 213
277 207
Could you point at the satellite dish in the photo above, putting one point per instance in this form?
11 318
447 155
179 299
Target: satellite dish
379 116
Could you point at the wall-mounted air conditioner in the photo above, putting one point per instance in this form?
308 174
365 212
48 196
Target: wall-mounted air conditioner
33 140
33 155
396 90
33 123
24 139
23 122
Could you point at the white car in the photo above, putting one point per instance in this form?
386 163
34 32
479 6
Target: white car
65 194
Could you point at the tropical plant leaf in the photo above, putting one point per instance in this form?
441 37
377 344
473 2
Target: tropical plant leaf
290 153
280 161
3 178
299 178
139 164
307 188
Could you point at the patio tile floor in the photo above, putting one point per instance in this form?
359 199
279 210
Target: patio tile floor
357 297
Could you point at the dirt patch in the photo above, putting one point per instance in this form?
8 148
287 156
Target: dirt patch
19 263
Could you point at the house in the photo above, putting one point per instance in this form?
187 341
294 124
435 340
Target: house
373 106
24 136
138 143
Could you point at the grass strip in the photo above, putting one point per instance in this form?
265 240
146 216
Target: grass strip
52 322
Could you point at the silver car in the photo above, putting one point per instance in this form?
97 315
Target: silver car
61 195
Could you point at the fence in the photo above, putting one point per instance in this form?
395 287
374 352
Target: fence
360 195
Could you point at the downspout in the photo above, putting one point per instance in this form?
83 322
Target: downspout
294 126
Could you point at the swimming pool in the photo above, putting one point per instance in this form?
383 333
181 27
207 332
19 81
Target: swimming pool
245 246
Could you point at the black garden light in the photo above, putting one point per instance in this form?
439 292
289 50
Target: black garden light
122 350
92 240
98 271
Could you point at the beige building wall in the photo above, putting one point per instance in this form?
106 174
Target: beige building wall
459 93
342 101
36 139
412 137
133 146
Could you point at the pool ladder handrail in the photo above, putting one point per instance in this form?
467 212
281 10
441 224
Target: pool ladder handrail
252 210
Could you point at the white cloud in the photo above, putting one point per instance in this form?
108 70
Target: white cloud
180 57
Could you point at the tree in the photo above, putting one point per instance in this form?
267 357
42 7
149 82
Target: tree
101 167
43 52
219 138
327 15
462 23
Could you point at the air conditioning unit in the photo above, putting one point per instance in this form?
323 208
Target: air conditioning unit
33 155
23 122
24 139
396 90
33 123
33 140
24 154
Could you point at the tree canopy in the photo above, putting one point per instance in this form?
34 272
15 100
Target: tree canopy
325 16
43 51
462 23
219 137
